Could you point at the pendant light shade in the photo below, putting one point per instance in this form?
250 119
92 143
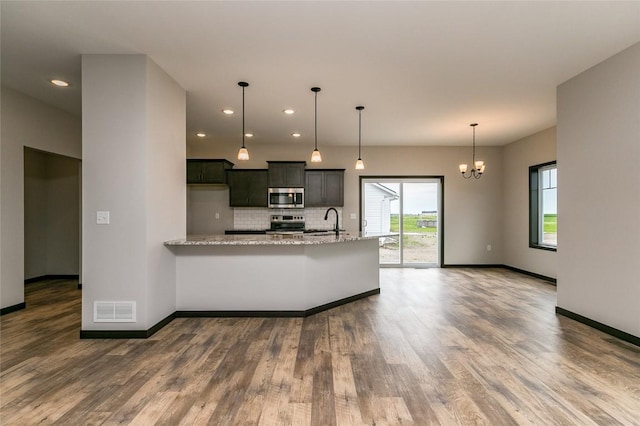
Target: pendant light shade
315 156
359 162
243 153
477 168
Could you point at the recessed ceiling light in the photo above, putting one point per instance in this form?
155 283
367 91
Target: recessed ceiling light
59 83
288 111
201 135
248 135
295 135
227 111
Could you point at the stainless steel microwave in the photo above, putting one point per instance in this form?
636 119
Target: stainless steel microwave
286 198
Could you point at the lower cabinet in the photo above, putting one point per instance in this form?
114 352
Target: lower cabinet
247 188
324 188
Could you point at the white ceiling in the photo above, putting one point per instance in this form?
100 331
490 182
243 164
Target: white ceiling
423 70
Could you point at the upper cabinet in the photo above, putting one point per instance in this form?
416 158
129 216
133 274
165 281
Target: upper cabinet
206 171
324 188
247 188
286 174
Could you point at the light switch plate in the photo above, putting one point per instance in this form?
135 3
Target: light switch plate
353 216
102 218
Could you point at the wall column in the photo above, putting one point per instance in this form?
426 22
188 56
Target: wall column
133 131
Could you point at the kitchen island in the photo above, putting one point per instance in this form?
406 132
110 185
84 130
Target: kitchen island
272 275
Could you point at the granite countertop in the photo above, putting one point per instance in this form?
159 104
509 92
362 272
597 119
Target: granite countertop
267 240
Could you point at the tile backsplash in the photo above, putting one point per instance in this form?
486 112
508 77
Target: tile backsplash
260 218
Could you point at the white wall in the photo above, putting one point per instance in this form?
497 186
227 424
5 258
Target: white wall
35 214
599 198
473 208
25 122
518 157
134 167
166 189
63 215
203 202
51 210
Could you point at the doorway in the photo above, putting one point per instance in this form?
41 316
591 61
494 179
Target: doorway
52 212
406 212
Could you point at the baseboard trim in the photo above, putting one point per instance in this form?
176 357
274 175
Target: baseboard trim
473 265
144 334
127 334
13 308
622 335
239 314
340 302
511 268
51 277
553 281
275 314
79 286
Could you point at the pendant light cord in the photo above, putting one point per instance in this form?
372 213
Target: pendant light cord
243 116
315 146
359 132
473 151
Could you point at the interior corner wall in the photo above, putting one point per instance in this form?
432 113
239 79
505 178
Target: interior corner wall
472 208
599 200
166 189
26 122
35 214
134 168
518 157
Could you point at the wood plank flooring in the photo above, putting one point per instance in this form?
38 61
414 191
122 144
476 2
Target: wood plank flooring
437 346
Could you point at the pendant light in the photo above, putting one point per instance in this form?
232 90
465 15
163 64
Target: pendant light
477 168
243 154
315 156
359 163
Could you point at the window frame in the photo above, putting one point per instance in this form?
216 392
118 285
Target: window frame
535 195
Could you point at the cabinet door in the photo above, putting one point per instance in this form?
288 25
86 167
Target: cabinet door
258 187
277 175
248 188
313 189
238 188
194 171
286 174
333 188
295 175
207 170
213 172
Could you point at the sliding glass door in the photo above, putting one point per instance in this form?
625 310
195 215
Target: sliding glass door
406 213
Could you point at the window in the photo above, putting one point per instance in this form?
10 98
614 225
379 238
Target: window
543 206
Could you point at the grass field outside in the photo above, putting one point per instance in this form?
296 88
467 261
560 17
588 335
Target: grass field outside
551 223
410 222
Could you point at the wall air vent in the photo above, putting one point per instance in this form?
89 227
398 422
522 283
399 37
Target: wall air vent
114 311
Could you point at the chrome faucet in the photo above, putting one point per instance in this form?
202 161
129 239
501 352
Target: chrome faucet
326 216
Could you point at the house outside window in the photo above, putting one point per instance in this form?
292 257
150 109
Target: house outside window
543 206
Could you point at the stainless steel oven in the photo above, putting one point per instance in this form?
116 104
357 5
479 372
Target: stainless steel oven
286 198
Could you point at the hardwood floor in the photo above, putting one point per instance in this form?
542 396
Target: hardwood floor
437 346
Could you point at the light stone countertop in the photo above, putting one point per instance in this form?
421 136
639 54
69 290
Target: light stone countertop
267 240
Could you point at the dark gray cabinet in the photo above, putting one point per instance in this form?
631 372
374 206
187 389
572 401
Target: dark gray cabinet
247 187
286 174
207 171
324 188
